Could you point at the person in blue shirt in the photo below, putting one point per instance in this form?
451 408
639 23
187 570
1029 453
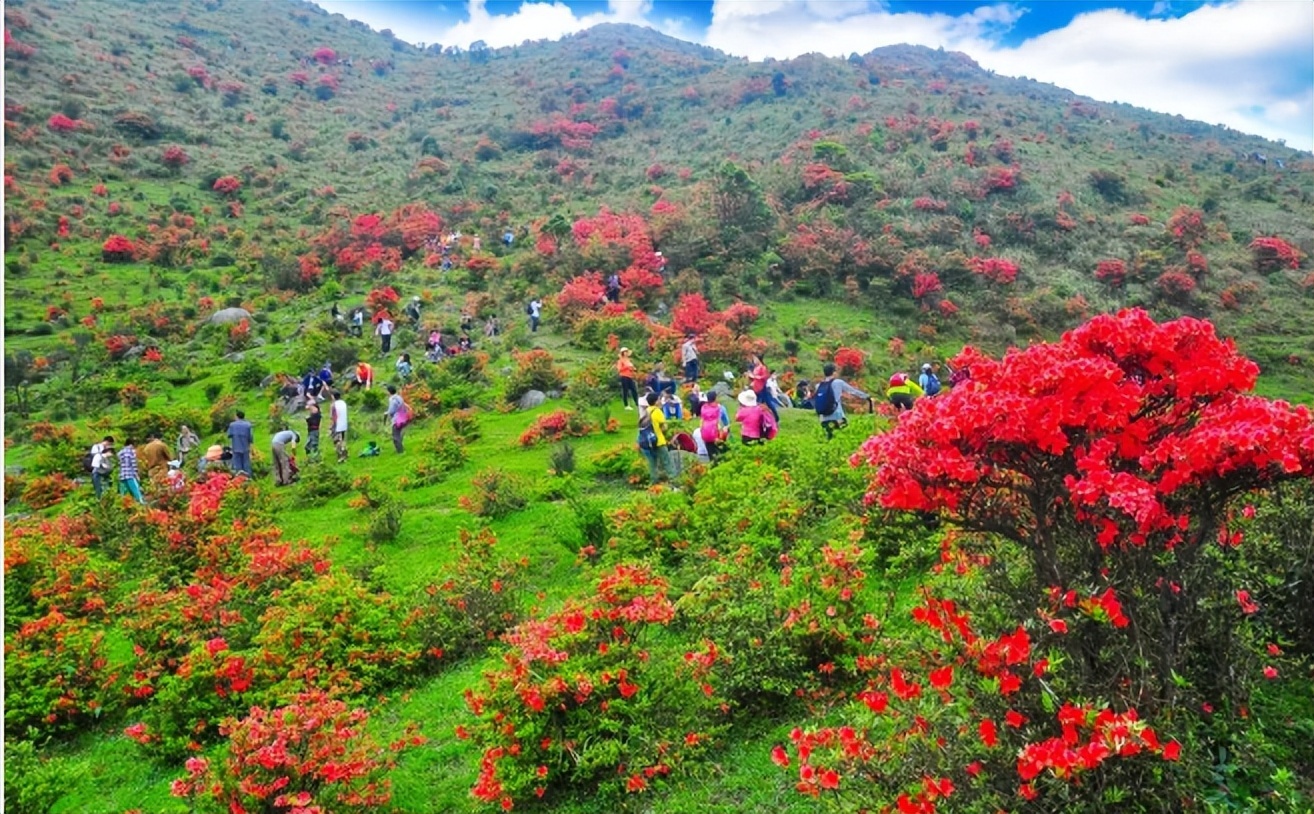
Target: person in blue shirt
241 439
672 408
834 390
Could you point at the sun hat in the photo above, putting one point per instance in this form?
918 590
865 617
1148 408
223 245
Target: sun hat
625 351
214 453
748 398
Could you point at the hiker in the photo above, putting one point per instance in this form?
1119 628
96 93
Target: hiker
213 455
174 478
102 464
129 482
672 408
625 367
695 399
187 441
754 420
715 426
827 400
464 345
242 439
312 387
476 243
364 375
383 330
313 419
803 395
338 425
413 309
335 312
535 311
280 442
492 328
435 340
758 375
959 376
903 391
400 414
613 288
467 322
357 322
508 238
658 381
689 358
155 456
403 366
326 374
928 381
652 440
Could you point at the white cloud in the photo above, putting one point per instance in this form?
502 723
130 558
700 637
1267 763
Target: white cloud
1246 64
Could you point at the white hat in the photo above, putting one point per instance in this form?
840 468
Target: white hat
729 375
926 366
416 298
748 398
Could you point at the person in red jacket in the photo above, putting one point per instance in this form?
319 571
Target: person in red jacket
625 367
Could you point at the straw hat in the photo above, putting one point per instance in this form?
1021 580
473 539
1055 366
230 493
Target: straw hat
214 453
748 398
625 351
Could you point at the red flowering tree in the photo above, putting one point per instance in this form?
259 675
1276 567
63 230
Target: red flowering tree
227 185
1273 253
1112 273
1110 458
118 249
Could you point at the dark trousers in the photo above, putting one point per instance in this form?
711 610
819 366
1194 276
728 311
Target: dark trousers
386 339
397 438
98 483
533 325
628 391
691 371
242 462
902 401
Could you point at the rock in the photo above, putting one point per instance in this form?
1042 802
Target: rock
134 352
236 356
722 390
15 470
554 394
229 315
532 399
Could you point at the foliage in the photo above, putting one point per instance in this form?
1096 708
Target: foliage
535 370
554 426
495 494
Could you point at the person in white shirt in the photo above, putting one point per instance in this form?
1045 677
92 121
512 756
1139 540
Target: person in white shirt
102 464
535 314
689 358
338 421
384 331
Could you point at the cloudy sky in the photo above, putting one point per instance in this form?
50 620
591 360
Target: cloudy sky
1247 64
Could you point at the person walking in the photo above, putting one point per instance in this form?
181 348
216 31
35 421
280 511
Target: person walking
652 439
903 391
129 479
827 400
535 314
399 412
689 358
155 457
403 366
241 439
338 423
282 468
313 419
928 381
758 376
357 322
102 464
383 330
625 367
187 441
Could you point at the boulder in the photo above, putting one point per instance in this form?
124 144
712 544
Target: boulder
532 399
226 316
722 390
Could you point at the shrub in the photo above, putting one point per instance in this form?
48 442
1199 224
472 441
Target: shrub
321 483
249 375
312 754
554 426
562 461
534 370
496 494
1273 253
47 490
57 676
33 784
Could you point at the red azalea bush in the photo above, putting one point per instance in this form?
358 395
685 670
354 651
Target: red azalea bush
554 426
586 700
849 362
312 754
63 124
227 185
1112 273
1099 472
382 299
1273 253
996 269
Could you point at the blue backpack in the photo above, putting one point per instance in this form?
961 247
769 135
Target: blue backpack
823 401
932 385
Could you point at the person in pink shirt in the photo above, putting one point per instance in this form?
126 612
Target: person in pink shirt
756 425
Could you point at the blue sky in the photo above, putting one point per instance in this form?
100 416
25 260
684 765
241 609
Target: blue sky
1248 64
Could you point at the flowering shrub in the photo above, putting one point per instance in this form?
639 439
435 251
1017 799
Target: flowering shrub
310 755
381 299
554 426
63 124
47 490
1186 227
496 494
1112 273
1139 436
996 269
582 701
1273 253
535 370
227 185
1175 284
849 362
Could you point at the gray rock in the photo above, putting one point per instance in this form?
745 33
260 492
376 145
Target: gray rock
235 356
229 315
532 399
134 352
722 389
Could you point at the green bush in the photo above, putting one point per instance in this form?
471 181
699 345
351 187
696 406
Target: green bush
320 483
496 494
33 783
249 375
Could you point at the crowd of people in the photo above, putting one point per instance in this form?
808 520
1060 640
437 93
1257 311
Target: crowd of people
662 439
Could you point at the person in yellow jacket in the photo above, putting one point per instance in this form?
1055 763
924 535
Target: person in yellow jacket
658 453
903 391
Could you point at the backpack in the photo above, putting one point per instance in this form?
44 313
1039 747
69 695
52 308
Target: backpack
529 308
87 460
823 401
647 435
932 384
769 428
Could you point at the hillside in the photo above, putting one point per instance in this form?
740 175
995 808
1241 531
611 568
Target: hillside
870 171
1074 580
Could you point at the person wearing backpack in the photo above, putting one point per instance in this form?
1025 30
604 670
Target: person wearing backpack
827 400
928 381
100 463
535 311
400 413
903 391
652 439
